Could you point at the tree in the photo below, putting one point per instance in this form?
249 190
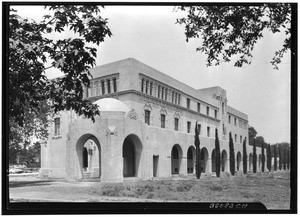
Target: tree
252 134
230 32
269 157
218 154
284 158
244 157
254 157
288 158
231 155
198 153
275 157
31 48
280 156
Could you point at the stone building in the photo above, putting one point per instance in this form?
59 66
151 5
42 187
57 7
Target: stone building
145 130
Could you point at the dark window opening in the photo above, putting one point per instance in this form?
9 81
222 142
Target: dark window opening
147 117
103 87
163 120
188 126
176 120
115 84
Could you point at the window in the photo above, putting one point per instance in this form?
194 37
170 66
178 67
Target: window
175 98
115 84
198 107
158 92
108 85
166 94
234 121
188 101
207 110
147 117
176 120
216 114
147 83
163 121
224 130
172 96
56 126
178 98
229 118
199 128
162 92
103 87
235 137
151 86
142 87
188 127
97 88
223 108
241 138
208 131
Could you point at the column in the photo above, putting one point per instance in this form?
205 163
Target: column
208 169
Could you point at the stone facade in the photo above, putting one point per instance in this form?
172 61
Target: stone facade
145 130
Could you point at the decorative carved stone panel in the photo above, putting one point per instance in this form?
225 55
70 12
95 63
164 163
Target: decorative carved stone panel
148 106
132 114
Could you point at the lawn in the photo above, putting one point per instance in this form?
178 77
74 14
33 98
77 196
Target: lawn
272 189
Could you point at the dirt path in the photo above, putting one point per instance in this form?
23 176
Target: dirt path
272 189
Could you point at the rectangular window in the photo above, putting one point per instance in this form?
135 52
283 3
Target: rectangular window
229 118
147 117
198 107
166 94
175 98
223 108
103 87
158 91
178 98
235 137
208 131
207 110
108 85
162 92
216 114
97 88
234 121
176 121
188 102
241 139
151 87
56 126
199 128
163 121
147 83
172 96
188 127
224 130
115 84
142 87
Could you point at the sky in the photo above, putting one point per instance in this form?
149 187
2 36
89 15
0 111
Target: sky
150 35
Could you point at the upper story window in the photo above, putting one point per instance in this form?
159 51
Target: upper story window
224 130
115 84
223 108
188 102
147 117
103 87
207 110
151 87
208 131
229 119
158 91
176 122
178 98
199 128
216 114
198 107
56 126
173 96
166 94
234 121
235 137
147 83
188 127
162 120
162 92
241 138
97 88
142 87
108 86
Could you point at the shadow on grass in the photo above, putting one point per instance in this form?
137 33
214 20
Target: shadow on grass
17 184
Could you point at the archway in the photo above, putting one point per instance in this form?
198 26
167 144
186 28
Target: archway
203 159
191 156
213 161
132 150
250 162
224 161
176 156
238 161
89 156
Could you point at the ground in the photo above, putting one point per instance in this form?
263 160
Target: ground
270 188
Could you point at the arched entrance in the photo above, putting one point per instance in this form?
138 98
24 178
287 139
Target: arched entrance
132 150
213 161
238 161
204 157
250 162
224 161
89 156
176 156
191 156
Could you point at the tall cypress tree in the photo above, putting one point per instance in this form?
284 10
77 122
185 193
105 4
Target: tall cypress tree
284 158
269 157
288 158
275 158
231 155
198 153
254 156
280 157
263 156
244 157
218 158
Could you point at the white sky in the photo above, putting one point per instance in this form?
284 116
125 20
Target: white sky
150 35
